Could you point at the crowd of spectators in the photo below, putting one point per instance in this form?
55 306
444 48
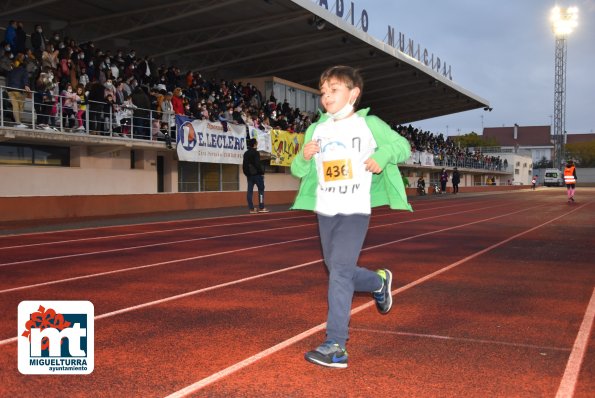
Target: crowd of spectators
121 85
446 151
121 89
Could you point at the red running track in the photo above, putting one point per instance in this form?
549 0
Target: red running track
494 296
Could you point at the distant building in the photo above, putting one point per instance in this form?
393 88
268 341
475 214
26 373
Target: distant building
578 138
535 139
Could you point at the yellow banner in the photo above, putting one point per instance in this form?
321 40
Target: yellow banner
285 146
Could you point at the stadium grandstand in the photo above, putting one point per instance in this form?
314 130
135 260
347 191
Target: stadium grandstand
108 87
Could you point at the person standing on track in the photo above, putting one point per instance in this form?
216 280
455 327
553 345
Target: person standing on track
570 180
443 180
254 173
456 179
347 166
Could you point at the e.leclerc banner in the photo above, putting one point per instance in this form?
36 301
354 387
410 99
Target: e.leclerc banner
210 142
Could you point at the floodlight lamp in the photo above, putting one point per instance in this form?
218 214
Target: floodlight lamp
564 20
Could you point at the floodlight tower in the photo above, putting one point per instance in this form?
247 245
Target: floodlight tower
564 20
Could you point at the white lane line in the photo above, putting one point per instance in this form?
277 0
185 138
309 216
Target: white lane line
149 265
230 251
169 231
573 366
137 224
193 388
463 339
160 231
206 238
36 260
187 294
354 311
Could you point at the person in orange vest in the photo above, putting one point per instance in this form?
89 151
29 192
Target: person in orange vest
570 180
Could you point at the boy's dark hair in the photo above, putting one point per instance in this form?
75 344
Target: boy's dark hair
252 142
346 74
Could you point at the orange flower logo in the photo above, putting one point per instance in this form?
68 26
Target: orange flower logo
43 319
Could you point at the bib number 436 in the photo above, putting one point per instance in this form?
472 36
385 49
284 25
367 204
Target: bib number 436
336 170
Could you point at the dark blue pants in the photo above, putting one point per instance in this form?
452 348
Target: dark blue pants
342 238
259 181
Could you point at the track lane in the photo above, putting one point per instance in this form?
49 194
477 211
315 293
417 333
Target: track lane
187 309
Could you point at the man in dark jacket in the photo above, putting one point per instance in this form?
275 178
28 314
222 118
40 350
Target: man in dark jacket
254 173
456 179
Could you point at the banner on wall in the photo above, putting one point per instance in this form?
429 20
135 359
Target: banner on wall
422 158
284 147
210 142
263 137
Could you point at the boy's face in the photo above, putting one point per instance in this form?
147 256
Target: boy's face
334 94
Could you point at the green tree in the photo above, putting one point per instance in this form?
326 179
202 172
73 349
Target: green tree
543 164
475 140
582 152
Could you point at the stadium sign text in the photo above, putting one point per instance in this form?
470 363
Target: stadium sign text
402 44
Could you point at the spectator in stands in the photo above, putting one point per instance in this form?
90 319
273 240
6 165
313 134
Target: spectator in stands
443 180
456 179
177 101
142 115
84 78
17 83
167 110
10 37
69 106
109 114
5 62
55 40
228 113
125 115
238 115
82 106
44 99
20 43
38 42
96 100
110 89
49 57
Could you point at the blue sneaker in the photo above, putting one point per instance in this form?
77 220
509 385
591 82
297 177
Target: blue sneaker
383 297
328 354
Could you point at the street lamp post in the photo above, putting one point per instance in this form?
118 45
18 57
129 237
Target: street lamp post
564 20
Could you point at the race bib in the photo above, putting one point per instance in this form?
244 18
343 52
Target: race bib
336 170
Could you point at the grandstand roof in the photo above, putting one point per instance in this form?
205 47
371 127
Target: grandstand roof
232 38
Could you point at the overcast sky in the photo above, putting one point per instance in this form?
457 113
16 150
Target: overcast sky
502 51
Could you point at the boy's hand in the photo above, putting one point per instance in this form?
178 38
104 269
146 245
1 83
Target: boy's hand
372 166
310 149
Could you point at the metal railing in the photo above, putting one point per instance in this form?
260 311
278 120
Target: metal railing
28 109
469 163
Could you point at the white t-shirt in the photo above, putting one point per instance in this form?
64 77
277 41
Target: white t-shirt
343 182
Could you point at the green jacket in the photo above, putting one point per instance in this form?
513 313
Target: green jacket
387 187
